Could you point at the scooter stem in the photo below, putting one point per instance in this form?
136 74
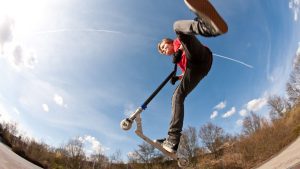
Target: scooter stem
173 73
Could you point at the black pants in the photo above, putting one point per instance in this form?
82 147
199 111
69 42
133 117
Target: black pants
199 61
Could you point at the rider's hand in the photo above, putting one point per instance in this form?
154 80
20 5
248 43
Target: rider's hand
177 56
174 79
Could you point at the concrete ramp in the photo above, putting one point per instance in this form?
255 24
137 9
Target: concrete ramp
10 160
287 159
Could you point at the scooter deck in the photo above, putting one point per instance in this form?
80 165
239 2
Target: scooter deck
139 132
156 145
182 162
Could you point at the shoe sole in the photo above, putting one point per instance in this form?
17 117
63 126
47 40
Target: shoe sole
155 141
205 10
165 147
168 149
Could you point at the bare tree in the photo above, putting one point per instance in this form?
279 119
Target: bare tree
75 154
278 106
293 91
293 85
212 137
116 157
145 154
100 161
189 142
1 127
37 150
10 130
188 146
252 123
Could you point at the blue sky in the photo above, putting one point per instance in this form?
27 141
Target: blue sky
77 68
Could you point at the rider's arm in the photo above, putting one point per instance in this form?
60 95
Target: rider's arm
180 76
180 47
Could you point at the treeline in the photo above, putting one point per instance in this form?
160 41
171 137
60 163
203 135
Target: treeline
69 156
259 140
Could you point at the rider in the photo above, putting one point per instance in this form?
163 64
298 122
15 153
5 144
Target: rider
192 57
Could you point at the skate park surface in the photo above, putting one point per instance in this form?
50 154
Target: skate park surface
10 160
289 158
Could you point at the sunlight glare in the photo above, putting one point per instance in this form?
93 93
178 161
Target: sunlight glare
26 15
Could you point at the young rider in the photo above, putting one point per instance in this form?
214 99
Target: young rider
192 57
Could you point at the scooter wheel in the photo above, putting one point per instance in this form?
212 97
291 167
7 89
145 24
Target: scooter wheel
183 162
126 124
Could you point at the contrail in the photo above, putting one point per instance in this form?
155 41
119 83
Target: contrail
78 30
245 64
90 30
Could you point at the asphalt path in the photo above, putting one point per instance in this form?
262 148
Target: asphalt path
10 160
289 158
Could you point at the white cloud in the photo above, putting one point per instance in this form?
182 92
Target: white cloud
214 115
16 111
21 58
129 109
45 107
229 113
132 155
16 54
6 30
239 122
220 106
92 145
297 57
59 100
4 114
243 112
295 5
256 104
30 60
298 50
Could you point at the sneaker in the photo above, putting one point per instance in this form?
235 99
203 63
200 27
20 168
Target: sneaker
169 146
206 29
159 141
208 15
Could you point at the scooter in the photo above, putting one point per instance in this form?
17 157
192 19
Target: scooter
126 124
